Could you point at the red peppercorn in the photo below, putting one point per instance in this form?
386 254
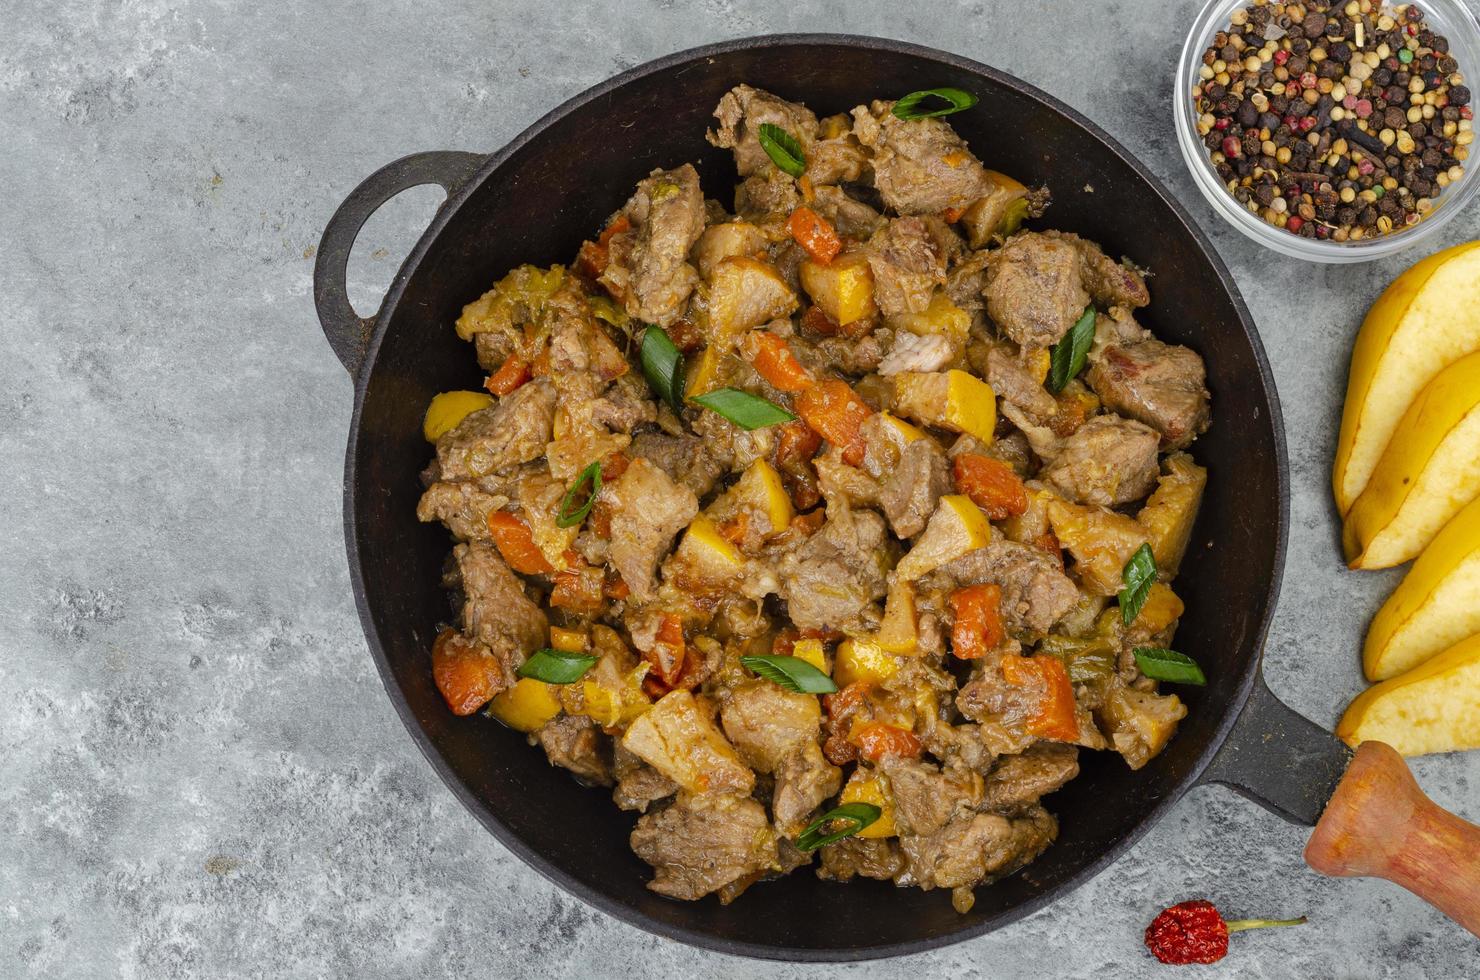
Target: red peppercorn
1281 56
1194 932
1232 147
1222 124
1308 80
1293 225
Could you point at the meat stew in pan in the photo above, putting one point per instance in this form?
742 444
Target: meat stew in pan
828 527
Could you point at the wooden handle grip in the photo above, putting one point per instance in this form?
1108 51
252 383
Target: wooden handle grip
1380 824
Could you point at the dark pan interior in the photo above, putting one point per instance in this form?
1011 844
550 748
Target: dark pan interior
554 189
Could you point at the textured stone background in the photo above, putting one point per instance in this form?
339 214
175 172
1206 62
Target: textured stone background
199 772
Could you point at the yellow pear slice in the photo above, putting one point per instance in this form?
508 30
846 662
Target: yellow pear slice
1435 707
1430 469
1428 318
1437 605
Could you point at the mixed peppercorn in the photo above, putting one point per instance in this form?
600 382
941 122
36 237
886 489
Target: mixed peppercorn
1335 121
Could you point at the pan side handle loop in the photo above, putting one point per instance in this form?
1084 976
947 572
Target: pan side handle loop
347 332
1280 759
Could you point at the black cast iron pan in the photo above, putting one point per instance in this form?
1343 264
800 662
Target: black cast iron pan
534 201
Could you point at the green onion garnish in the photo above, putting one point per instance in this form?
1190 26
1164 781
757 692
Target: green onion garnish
1168 665
1067 358
856 815
556 666
783 149
955 99
792 673
570 513
1138 575
744 409
662 365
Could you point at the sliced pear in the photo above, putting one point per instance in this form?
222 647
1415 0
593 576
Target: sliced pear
1430 469
1435 707
1437 605
1428 318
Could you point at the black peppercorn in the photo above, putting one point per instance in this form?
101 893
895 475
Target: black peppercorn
1314 25
1248 114
1459 95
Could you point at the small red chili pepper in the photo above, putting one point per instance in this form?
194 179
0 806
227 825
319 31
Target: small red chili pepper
1194 932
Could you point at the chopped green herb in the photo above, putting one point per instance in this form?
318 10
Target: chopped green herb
556 666
1067 358
1168 665
662 365
856 816
783 149
744 409
571 513
792 673
955 99
1138 575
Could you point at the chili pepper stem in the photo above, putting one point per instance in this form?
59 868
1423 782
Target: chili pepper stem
1239 925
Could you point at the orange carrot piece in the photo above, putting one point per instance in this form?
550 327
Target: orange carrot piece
516 544
836 412
977 629
510 375
774 361
992 485
818 238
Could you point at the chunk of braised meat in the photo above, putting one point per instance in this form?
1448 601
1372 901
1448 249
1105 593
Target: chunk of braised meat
1111 283
648 268
497 611
575 743
1162 385
1012 381
1034 289
1107 461
833 579
907 263
851 217
862 857
462 506
741 113
767 197
975 848
511 432
836 157
647 510
914 486
766 723
804 779
639 785
854 355
701 843
920 165
1017 781
966 282
578 342
1036 593
682 457
926 797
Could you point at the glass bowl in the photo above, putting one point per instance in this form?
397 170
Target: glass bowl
1451 18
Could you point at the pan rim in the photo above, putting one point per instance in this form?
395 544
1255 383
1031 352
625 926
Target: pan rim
632 916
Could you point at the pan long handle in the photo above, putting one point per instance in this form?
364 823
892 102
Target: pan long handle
1370 817
347 332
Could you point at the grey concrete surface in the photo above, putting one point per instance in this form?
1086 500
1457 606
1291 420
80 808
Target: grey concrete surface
200 775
